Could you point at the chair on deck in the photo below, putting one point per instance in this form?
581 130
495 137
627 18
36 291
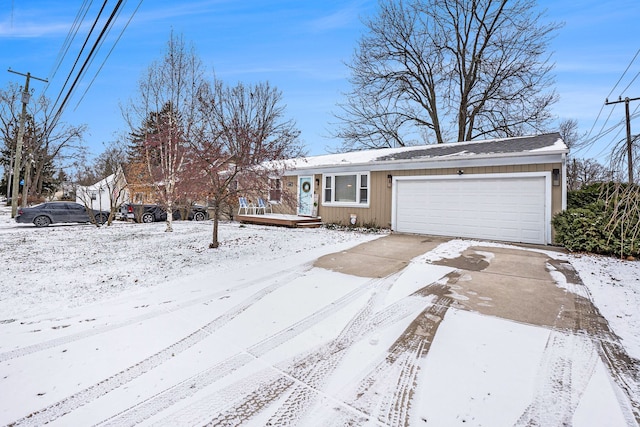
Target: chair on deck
245 206
263 206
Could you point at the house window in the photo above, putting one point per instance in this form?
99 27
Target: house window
275 190
346 189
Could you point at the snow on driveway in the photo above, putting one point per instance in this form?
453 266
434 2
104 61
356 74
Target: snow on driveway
128 325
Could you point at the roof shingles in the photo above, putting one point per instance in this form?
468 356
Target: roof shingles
498 146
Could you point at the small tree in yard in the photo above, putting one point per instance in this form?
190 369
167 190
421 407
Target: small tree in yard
242 141
166 107
110 164
105 176
114 186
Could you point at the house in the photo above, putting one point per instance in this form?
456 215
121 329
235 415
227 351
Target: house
500 189
109 192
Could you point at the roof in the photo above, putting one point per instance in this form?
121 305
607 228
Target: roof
526 146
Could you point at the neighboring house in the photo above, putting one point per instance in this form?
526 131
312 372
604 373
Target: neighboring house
502 189
111 191
65 192
140 184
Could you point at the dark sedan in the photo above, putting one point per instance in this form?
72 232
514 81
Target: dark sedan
55 212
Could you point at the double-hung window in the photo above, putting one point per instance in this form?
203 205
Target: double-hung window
346 189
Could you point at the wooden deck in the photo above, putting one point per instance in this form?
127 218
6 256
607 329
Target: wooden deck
291 221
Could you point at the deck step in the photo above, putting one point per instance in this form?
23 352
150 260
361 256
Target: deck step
308 224
292 221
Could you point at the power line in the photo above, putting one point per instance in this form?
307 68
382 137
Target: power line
75 63
614 139
631 82
629 141
589 140
86 62
623 74
108 54
73 32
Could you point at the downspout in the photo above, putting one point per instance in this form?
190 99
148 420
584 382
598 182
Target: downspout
564 181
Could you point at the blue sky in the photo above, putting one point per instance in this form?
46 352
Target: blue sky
300 47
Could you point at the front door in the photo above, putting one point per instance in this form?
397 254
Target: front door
305 195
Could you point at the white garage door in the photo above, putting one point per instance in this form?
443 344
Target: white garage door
496 208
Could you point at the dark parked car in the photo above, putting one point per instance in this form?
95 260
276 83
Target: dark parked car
154 213
54 212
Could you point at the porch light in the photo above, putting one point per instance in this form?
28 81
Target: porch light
555 176
389 180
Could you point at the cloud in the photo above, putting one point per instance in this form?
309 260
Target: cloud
31 30
37 19
181 9
339 19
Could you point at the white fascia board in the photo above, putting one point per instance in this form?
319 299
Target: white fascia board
436 163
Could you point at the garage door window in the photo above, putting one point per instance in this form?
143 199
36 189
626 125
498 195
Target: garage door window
346 189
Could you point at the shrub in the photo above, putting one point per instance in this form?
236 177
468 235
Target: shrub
584 197
601 218
582 229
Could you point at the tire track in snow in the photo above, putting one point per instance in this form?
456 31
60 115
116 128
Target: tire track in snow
398 371
301 380
365 324
200 412
586 318
313 371
300 376
107 385
168 397
567 366
34 348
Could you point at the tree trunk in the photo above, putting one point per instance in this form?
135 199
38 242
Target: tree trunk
216 216
169 228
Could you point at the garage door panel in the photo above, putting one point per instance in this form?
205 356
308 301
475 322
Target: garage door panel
510 209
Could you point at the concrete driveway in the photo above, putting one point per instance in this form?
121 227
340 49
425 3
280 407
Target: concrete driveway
511 283
521 284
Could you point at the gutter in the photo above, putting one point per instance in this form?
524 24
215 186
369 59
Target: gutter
457 161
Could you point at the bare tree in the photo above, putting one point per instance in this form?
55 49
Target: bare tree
582 172
105 177
442 70
111 159
166 108
107 194
244 137
568 129
619 157
48 144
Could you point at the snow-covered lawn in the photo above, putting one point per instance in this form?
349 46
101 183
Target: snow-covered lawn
128 325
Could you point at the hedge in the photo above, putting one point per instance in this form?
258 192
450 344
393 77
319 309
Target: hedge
602 219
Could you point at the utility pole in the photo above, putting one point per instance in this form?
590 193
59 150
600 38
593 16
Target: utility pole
16 166
629 142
